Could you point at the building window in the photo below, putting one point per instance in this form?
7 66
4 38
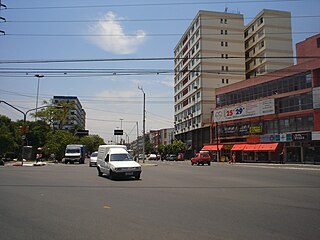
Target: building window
221 43
221 20
222 55
227 68
318 42
227 56
225 21
221 32
222 68
226 44
222 80
226 32
246 33
227 81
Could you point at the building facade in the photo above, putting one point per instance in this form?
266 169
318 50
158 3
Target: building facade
268 43
209 55
163 136
262 117
75 115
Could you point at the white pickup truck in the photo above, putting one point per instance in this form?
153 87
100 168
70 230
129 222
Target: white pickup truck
115 161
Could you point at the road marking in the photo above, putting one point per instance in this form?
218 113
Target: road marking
106 207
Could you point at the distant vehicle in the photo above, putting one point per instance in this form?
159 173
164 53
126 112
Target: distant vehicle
93 159
201 158
140 157
152 156
74 153
171 157
115 161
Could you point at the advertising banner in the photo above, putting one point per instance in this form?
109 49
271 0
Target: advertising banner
246 110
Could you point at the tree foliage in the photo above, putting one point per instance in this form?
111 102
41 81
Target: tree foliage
8 136
92 142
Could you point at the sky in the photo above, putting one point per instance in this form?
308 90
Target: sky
103 51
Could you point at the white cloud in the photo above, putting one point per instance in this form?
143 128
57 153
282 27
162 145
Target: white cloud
115 39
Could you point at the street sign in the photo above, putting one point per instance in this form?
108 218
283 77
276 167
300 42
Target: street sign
118 132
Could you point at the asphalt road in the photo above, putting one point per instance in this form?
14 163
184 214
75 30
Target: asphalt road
173 200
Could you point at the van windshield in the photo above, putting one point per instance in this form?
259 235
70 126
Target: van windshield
72 150
121 157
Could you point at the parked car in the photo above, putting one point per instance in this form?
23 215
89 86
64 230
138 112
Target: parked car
172 157
201 158
152 157
93 159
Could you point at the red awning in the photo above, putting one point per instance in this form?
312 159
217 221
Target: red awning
238 147
211 147
268 147
251 147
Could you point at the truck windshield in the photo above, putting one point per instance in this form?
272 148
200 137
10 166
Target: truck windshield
73 150
121 157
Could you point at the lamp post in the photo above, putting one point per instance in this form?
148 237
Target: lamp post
38 76
144 122
121 119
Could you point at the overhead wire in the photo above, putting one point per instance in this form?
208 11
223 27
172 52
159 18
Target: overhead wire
146 4
150 19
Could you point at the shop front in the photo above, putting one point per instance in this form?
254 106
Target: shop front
257 152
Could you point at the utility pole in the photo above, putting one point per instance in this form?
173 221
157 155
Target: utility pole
144 123
121 119
38 76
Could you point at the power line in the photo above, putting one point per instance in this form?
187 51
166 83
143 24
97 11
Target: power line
132 35
134 59
150 19
148 4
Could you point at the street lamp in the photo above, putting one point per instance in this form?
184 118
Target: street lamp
144 122
38 76
121 119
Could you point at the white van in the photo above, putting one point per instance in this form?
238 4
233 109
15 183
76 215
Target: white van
115 161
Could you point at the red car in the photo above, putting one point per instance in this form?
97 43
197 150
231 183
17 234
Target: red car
201 158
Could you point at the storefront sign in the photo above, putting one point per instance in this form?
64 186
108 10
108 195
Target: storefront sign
276 138
246 110
256 129
315 136
301 136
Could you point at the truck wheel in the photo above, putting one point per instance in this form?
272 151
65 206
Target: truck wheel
137 177
65 162
99 172
209 163
111 175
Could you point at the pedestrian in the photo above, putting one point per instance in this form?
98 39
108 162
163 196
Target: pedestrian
281 156
233 158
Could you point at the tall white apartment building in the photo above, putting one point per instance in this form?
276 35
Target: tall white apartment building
209 55
268 42
76 115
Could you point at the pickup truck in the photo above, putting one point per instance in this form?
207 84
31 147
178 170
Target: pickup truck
201 158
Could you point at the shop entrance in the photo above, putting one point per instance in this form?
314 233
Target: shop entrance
293 155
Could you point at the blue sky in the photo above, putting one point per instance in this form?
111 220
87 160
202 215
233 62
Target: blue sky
143 29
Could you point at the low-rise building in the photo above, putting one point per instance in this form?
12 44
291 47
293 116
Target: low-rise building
279 112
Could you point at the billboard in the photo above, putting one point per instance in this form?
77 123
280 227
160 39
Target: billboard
245 110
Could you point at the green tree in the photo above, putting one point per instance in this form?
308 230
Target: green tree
148 146
8 136
92 142
178 146
56 113
57 141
